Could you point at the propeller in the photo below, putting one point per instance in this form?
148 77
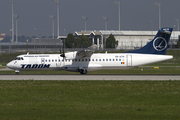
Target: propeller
63 54
60 49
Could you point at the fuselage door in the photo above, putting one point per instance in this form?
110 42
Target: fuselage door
129 60
58 64
42 60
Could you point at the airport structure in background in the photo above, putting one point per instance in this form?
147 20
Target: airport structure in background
127 40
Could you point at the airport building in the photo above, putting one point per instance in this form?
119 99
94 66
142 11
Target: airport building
126 39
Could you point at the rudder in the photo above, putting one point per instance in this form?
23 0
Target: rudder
158 45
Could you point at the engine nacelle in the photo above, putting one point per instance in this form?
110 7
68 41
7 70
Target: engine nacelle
71 55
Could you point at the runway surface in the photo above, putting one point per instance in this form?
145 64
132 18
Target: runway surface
89 77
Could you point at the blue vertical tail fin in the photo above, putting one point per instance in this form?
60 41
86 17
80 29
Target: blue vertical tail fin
158 45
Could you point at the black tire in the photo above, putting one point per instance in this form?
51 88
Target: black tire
83 71
17 73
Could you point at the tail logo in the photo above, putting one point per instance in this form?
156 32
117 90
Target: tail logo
159 44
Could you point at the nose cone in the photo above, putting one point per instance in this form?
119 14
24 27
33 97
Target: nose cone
10 65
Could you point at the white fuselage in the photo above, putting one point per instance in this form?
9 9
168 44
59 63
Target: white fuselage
95 62
85 60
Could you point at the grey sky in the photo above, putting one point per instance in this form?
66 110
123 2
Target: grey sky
135 15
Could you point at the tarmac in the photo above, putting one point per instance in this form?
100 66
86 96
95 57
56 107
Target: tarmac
87 77
90 77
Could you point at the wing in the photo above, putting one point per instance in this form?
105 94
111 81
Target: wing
78 54
84 53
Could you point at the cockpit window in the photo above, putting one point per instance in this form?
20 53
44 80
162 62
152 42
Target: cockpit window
19 58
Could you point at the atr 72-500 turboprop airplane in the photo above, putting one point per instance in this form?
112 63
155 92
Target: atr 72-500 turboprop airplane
86 60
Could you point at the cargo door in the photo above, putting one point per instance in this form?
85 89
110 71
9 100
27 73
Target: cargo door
129 60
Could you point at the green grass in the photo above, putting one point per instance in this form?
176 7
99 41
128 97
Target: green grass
89 100
2 67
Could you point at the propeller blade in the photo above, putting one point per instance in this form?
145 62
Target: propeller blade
60 51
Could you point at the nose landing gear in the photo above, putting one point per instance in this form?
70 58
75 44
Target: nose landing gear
17 72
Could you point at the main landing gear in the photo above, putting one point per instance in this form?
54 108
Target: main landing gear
83 71
17 72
